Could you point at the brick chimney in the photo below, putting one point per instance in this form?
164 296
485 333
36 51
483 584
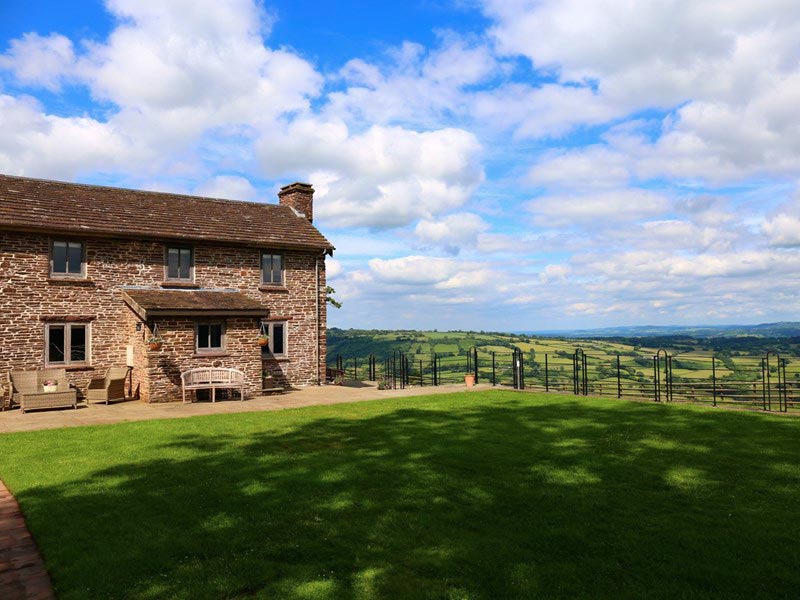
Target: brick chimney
300 196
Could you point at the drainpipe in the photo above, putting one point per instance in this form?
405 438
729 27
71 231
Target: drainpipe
316 347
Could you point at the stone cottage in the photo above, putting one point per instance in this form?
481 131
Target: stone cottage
90 274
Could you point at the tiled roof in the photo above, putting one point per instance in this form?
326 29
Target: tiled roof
42 205
149 303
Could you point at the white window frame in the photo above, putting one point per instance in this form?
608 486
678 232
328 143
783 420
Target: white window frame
283 268
179 247
223 341
68 362
270 325
57 275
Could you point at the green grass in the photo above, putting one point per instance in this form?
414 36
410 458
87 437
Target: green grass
474 495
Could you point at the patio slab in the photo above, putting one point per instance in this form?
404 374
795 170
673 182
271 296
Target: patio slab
100 414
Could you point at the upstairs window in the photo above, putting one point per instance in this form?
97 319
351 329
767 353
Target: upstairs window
67 344
210 337
67 259
271 269
276 348
180 263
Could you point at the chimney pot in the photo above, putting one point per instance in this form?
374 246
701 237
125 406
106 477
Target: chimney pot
299 196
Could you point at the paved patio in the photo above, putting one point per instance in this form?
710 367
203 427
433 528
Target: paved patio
97 414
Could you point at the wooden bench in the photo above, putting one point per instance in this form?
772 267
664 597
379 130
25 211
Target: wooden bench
212 378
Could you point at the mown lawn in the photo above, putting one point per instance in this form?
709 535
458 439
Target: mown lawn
473 495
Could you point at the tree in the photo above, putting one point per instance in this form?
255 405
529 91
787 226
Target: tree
329 291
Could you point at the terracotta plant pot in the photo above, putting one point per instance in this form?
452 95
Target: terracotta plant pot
469 380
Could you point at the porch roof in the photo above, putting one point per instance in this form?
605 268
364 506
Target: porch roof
149 303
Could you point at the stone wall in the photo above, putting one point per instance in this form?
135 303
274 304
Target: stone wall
28 297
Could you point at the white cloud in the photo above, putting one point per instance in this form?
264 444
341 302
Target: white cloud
384 177
42 61
546 111
37 144
600 210
591 167
231 187
417 86
453 231
783 230
178 74
729 72
333 268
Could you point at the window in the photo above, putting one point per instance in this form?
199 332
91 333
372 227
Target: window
210 337
67 344
179 265
277 340
271 269
66 259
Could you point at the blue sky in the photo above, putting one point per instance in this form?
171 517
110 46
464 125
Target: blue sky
493 165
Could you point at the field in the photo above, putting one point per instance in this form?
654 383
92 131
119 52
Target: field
727 370
473 495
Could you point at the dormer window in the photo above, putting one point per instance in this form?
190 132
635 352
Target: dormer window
179 263
271 269
67 259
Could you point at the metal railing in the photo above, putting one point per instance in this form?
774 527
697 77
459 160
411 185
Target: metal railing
769 382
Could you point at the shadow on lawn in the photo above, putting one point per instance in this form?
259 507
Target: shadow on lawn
510 499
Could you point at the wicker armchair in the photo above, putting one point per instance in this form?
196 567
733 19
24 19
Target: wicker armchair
110 387
27 389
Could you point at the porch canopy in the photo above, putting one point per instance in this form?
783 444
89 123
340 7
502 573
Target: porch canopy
149 303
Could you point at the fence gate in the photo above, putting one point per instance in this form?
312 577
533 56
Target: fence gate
518 368
662 376
580 380
774 388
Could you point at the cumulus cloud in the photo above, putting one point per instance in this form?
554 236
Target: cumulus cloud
384 177
591 167
38 144
727 72
40 61
453 231
418 85
601 210
231 187
783 230
549 110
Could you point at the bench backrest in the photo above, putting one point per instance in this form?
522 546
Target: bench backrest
212 375
32 381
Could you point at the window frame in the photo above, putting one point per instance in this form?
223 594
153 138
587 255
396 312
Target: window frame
222 337
68 362
270 283
268 350
167 248
55 275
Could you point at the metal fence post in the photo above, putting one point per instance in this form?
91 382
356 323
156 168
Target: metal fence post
714 380
546 375
619 380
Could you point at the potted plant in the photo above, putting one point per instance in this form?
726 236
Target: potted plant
263 337
155 342
469 379
50 385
